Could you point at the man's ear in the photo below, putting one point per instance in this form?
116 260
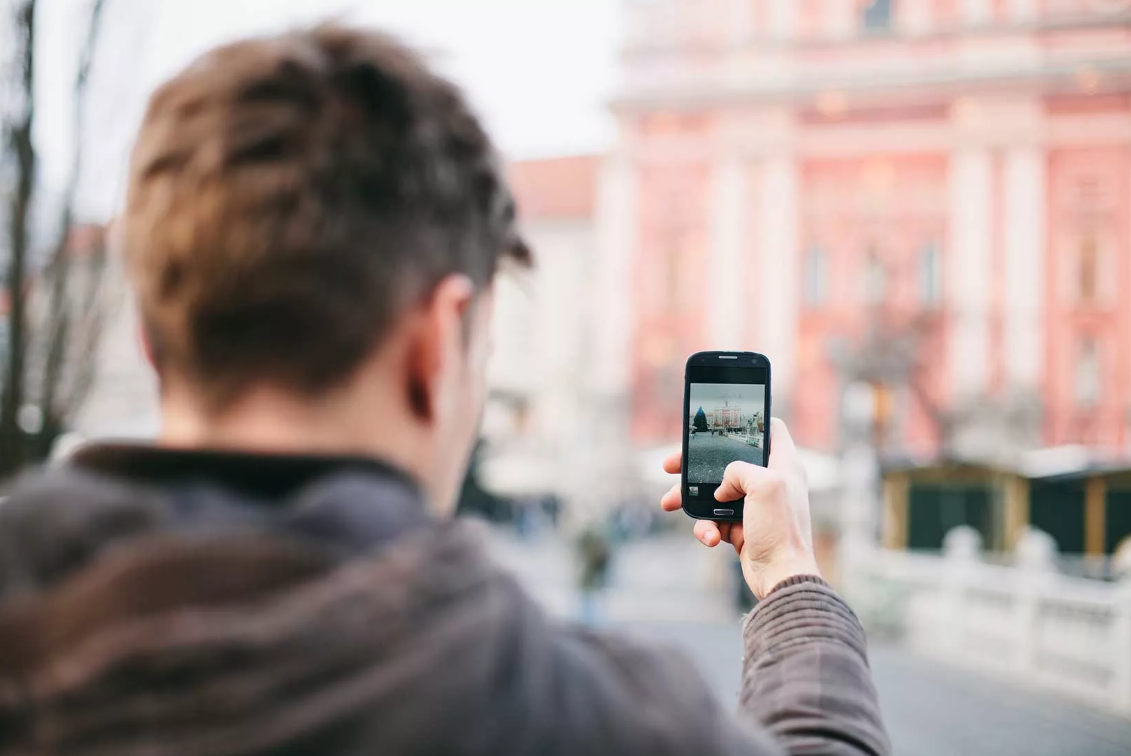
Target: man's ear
437 336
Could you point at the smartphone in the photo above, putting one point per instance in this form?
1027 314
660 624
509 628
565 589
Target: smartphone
726 417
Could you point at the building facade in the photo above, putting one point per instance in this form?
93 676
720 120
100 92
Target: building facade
929 196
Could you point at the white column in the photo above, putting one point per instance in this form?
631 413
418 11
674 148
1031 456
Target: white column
739 18
1022 10
617 231
976 12
840 18
728 233
1128 387
916 16
605 455
777 283
783 18
1024 264
968 287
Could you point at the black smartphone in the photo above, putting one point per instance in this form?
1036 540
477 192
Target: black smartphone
726 417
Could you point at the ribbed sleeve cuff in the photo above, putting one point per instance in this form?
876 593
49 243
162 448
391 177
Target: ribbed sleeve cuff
800 609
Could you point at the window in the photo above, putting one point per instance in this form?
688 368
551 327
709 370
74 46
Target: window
815 277
1088 274
877 15
930 274
1088 373
875 279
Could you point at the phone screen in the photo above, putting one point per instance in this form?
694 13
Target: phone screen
727 419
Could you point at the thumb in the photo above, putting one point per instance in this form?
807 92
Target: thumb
739 479
783 452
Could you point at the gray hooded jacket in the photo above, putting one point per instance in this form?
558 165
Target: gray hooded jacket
174 603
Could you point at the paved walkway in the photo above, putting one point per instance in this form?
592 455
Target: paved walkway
675 590
708 456
930 709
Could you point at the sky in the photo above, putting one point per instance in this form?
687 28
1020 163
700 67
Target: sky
540 72
751 398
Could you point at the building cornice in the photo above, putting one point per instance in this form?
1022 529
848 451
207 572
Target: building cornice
1111 75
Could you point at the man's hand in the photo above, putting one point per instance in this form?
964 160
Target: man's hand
775 538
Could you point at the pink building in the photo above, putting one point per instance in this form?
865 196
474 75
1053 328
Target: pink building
932 196
724 417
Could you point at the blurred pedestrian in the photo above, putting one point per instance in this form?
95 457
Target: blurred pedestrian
313 225
594 556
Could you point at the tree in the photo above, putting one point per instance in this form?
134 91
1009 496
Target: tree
700 421
892 354
898 354
49 307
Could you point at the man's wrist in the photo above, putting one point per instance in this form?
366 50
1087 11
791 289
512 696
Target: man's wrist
797 580
773 575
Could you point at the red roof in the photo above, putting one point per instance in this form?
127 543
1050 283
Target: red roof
556 188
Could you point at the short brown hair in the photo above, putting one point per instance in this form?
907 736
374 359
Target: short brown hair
289 196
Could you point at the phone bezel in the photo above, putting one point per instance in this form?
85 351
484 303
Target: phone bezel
703 508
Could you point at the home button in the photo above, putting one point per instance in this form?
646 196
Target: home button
724 512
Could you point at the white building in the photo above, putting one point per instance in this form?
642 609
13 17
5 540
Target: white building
548 429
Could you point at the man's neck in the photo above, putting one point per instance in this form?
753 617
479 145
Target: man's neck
270 421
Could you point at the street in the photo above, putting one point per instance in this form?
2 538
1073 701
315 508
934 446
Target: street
676 591
709 455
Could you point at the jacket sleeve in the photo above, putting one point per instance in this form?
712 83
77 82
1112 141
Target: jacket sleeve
805 673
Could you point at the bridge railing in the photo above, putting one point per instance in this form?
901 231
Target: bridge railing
1026 621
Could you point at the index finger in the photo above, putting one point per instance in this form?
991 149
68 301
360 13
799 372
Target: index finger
674 463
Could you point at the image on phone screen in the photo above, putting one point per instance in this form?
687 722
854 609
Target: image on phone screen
726 422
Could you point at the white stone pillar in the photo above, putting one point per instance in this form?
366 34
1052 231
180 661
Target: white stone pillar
728 234
1022 10
739 15
1024 221
1121 633
617 232
783 18
840 18
976 12
608 457
776 301
916 17
969 267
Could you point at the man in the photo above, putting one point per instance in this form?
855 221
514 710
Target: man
312 229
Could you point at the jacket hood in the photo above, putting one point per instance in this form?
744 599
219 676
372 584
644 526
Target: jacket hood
138 619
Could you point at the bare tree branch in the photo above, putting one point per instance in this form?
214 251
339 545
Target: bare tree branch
54 326
60 307
23 151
